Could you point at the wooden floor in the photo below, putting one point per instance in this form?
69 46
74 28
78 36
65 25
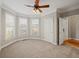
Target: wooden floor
72 43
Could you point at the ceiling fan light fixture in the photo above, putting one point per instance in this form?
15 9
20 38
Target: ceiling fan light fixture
36 11
37 7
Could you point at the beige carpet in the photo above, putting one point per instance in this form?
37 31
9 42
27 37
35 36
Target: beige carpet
38 49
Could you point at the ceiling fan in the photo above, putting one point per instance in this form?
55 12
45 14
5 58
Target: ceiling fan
36 6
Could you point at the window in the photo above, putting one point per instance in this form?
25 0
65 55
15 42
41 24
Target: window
35 27
9 26
23 27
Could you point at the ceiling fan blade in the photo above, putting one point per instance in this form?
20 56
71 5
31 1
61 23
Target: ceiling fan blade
40 10
37 2
44 6
29 6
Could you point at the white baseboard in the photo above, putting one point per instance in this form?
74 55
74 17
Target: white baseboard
19 40
13 42
10 43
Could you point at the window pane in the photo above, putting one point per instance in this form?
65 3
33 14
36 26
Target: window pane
35 22
23 27
10 26
35 27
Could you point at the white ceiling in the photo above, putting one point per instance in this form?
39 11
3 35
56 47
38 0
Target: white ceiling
18 5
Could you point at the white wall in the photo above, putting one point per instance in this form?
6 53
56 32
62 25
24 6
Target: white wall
0 2
77 27
0 28
73 26
0 21
50 28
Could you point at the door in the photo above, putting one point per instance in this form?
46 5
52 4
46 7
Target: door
63 29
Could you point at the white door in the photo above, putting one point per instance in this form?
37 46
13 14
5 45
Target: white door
63 29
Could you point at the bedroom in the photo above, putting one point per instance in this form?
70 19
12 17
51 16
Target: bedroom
39 34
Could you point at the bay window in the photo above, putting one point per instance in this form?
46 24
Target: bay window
16 27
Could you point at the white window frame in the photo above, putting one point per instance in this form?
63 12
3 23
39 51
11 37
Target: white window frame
3 24
26 25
